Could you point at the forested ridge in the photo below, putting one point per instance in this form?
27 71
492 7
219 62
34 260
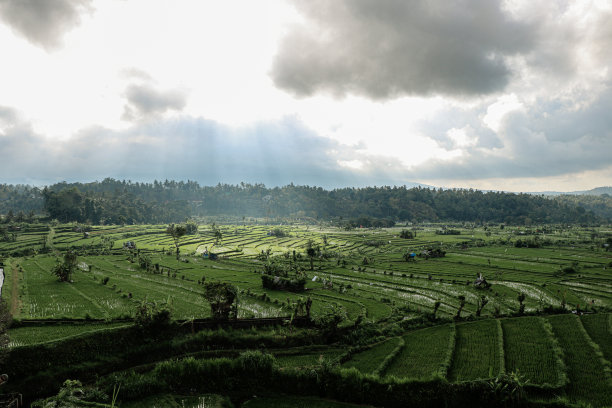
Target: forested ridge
113 202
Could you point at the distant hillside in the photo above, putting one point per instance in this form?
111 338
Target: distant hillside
597 191
116 202
597 200
594 191
600 205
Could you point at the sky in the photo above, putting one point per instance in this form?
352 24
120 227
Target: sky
509 95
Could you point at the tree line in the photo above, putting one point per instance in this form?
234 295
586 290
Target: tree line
118 202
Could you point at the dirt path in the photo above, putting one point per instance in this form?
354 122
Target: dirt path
14 291
49 238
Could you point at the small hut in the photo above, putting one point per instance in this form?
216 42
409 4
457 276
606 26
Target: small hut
209 255
481 282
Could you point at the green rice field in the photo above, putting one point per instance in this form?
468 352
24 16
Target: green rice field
361 274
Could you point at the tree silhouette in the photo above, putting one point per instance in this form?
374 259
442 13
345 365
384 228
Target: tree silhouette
521 299
461 305
481 304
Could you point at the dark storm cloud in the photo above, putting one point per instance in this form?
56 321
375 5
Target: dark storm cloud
390 48
145 100
43 22
275 153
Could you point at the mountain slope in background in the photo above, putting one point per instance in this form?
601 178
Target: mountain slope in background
595 191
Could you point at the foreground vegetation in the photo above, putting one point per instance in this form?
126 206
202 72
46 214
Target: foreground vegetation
458 314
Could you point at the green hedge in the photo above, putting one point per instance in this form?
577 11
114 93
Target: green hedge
256 373
41 369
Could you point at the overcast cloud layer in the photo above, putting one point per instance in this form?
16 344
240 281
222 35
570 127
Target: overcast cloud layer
511 95
390 48
188 148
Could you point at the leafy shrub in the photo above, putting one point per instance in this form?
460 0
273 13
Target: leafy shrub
282 283
406 234
152 315
221 296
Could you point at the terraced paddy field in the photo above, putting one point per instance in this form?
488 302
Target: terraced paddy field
478 351
425 353
38 334
530 348
371 360
599 329
588 372
384 299
385 278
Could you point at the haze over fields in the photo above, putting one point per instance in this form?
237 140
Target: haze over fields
503 95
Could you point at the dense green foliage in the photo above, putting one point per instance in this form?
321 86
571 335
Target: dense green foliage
254 372
221 296
116 202
600 205
40 368
282 283
20 198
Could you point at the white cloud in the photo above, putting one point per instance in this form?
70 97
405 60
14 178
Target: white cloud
497 111
351 164
145 101
43 23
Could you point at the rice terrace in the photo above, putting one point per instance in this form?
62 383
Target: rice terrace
260 312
